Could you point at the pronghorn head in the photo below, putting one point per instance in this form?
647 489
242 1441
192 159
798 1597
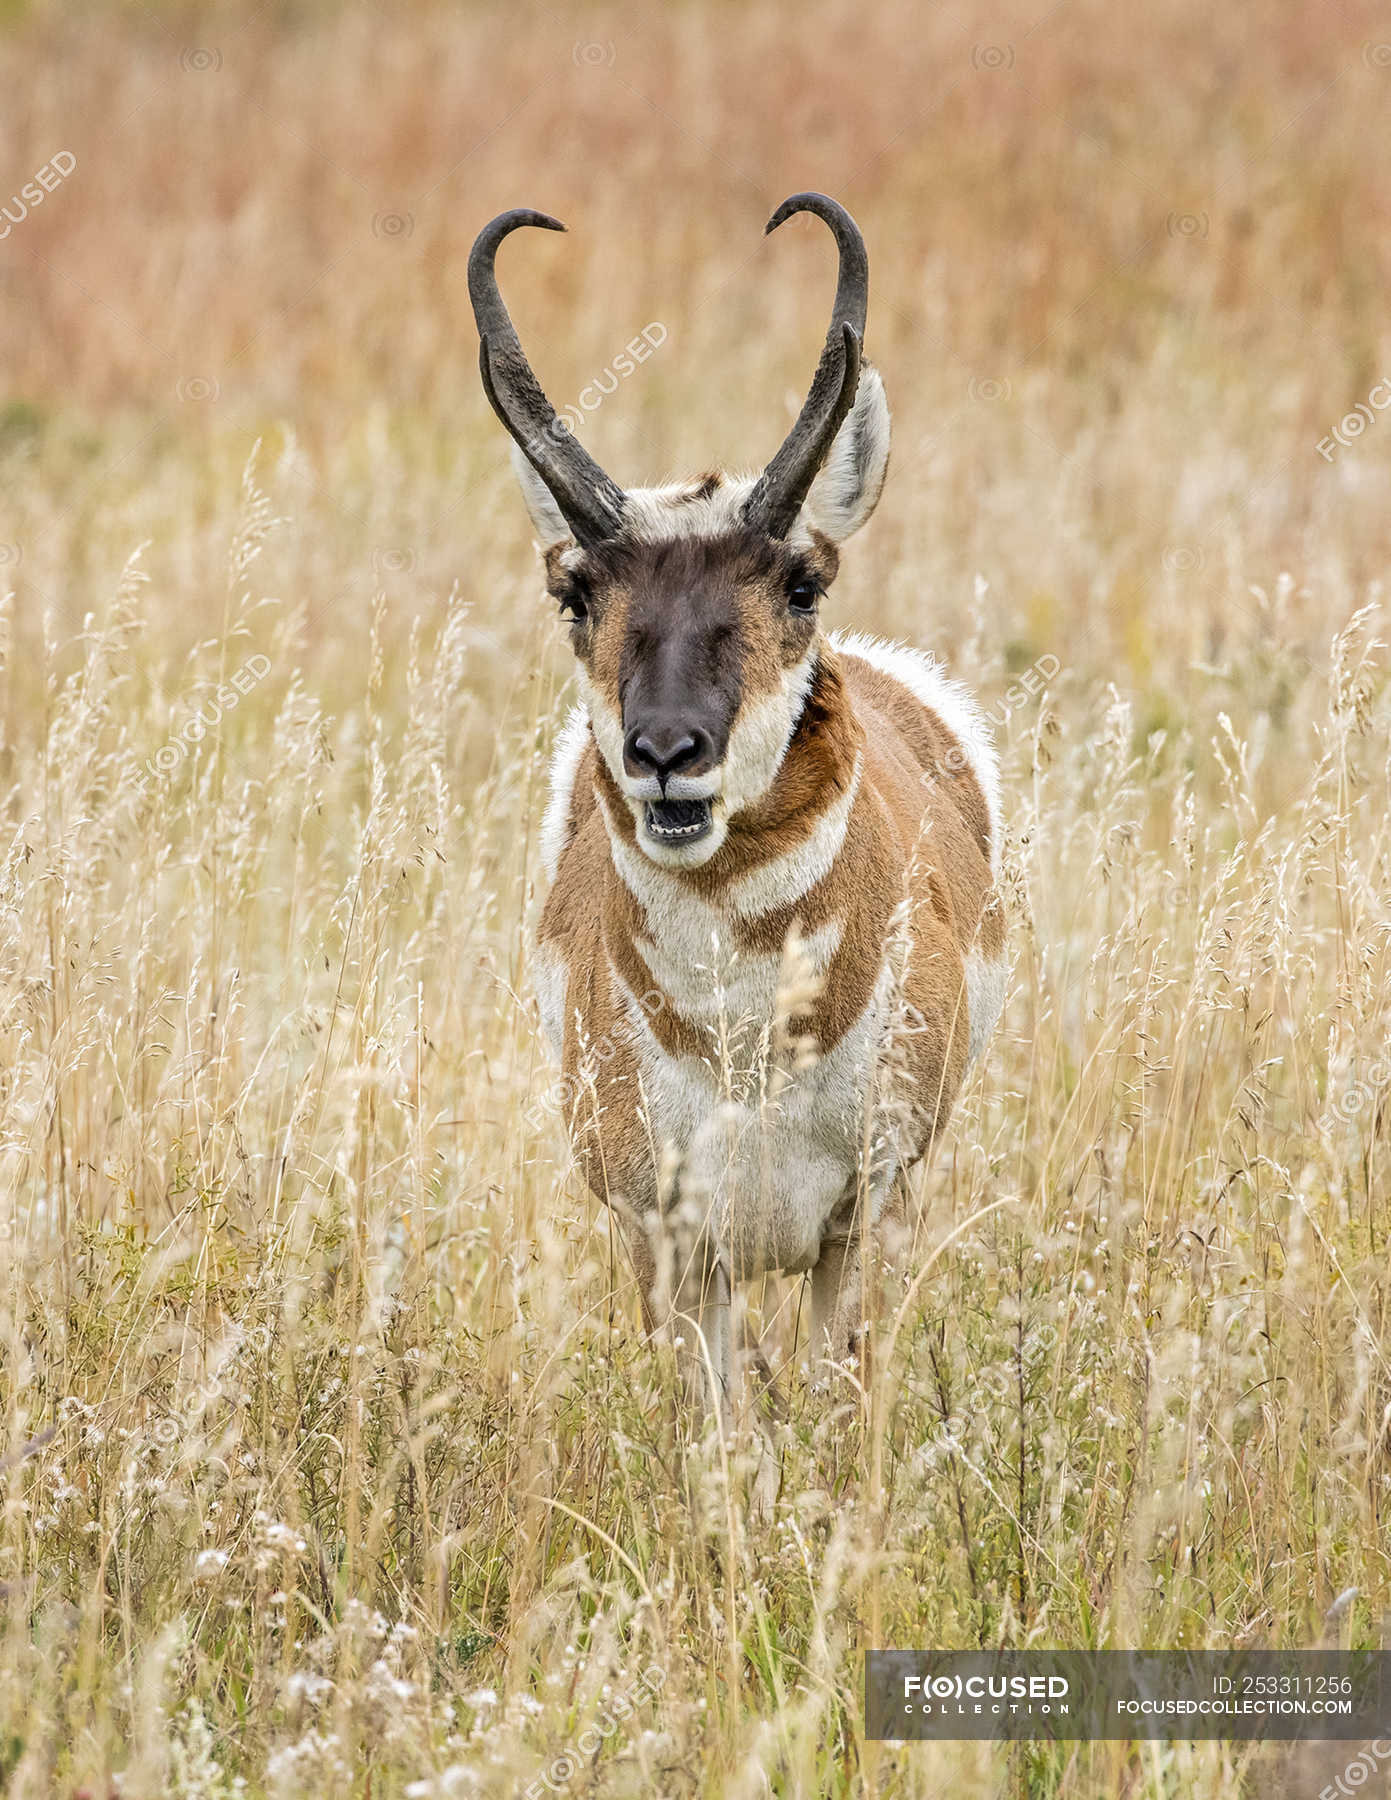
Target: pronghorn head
693 607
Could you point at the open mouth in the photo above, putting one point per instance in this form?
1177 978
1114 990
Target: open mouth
678 821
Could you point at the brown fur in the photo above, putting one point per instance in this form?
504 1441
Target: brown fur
918 827
713 633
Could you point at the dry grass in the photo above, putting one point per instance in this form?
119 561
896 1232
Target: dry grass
330 1458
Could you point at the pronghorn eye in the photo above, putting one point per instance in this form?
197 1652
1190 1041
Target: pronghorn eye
803 595
573 606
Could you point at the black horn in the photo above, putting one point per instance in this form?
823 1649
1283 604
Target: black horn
591 503
777 497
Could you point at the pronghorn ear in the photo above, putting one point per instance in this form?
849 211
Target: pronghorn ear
546 517
851 480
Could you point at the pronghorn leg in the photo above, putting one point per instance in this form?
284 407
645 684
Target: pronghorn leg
643 1257
752 1361
685 1292
838 1301
836 1290
686 1296
707 1330
700 1316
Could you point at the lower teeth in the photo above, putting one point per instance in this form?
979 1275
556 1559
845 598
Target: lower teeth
661 828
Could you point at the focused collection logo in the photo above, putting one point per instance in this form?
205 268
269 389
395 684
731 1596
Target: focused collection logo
943 1696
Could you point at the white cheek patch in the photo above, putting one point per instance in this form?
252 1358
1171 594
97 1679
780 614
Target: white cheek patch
760 735
605 721
565 761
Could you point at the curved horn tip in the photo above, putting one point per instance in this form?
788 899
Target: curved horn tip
590 501
497 228
482 279
809 201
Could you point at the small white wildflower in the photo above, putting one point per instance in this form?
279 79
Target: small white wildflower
308 1688
384 1686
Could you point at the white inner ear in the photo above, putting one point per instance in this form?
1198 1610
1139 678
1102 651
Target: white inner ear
847 490
546 517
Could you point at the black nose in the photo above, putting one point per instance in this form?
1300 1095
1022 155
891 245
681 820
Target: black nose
666 750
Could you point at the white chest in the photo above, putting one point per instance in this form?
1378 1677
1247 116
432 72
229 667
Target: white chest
771 1155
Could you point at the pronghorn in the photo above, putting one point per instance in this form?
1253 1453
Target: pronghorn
749 818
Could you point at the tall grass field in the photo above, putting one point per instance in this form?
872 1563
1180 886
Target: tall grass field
333 1458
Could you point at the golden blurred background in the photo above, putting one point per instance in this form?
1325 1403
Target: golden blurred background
1128 269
